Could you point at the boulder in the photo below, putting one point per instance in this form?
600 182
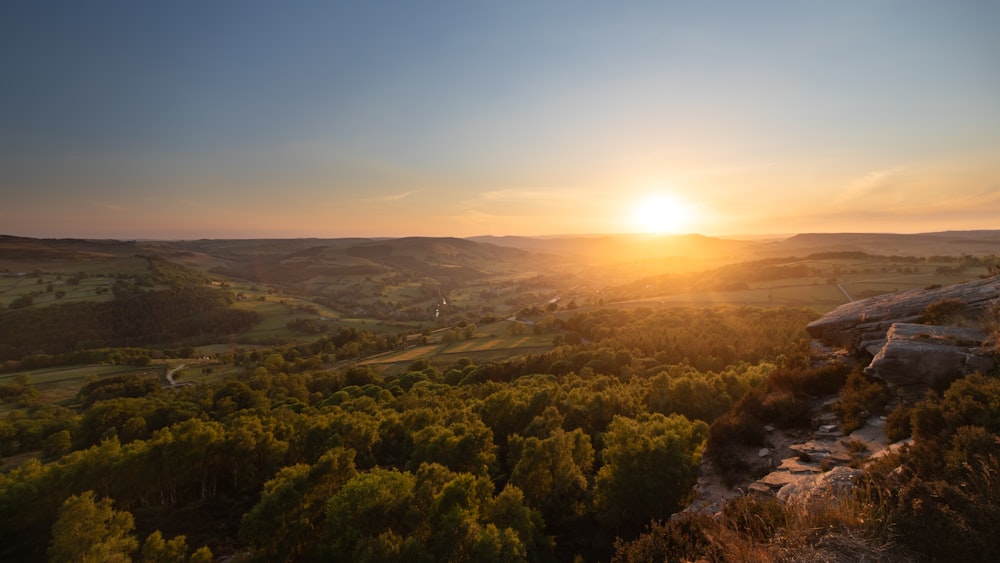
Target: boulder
929 355
869 319
834 484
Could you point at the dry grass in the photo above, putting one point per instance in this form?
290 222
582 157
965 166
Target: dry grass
854 527
851 528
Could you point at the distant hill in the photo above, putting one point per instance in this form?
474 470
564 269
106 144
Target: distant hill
626 247
946 243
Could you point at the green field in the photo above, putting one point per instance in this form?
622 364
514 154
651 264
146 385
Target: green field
825 291
481 349
59 385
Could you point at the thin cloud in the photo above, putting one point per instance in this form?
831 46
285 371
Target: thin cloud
391 197
870 184
110 206
522 195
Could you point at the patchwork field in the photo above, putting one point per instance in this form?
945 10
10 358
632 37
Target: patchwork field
60 385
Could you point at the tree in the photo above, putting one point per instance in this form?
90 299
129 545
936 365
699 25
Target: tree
650 465
21 302
202 555
285 524
372 512
462 445
433 515
158 550
89 530
552 473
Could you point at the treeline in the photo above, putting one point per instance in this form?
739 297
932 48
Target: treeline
544 458
131 318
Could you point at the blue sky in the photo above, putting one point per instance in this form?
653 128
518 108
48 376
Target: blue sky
236 119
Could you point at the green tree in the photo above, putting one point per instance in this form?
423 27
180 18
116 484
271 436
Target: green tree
158 550
371 513
286 524
57 443
462 445
89 530
552 473
650 465
202 555
433 515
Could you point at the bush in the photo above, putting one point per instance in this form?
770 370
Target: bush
21 302
897 424
946 311
685 537
860 397
812 381
786 410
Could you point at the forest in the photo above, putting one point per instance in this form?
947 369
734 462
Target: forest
543 457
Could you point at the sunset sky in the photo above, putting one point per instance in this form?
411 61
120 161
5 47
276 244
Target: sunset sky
236 118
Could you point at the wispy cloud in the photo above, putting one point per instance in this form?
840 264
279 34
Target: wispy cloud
872 183
110 206
391 197
513 194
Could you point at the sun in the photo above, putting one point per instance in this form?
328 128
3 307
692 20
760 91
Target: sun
663 213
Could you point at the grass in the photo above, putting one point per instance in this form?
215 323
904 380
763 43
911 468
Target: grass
821 297
860 278
830 527
13 285
61 385
480 349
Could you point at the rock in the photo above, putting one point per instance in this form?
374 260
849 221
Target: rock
778 479
759 489
864 320
764 452
833 484
920 354
795 465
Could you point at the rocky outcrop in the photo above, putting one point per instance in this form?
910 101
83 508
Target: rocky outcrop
868 320
914 354
823 463
910 356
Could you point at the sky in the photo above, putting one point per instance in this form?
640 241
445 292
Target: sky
252 119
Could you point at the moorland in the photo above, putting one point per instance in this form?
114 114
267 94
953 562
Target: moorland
491 398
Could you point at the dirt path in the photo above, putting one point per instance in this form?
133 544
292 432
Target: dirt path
170 374
844 291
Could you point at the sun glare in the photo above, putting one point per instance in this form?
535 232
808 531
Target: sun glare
662 214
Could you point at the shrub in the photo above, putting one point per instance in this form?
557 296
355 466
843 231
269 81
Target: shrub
21 302
786 410
859 398
685 537
946 311
812 381
897 424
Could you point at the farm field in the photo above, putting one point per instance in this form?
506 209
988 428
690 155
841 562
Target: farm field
61 384
480 349
836 282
